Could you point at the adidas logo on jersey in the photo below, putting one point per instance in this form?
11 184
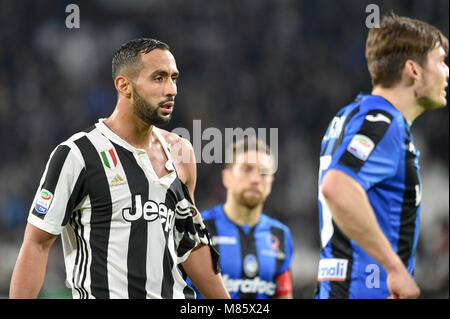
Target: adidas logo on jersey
117 181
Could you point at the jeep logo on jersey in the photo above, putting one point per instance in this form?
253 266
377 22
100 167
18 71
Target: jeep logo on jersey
150 211
109 158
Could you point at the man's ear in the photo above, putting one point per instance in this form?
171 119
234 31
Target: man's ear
412 70
123 86
226 177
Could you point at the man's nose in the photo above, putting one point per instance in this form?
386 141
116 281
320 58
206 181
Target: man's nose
255 176
171 88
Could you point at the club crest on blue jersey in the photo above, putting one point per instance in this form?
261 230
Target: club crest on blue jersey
250 265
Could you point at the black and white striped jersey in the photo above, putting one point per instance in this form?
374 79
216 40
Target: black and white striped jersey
124 230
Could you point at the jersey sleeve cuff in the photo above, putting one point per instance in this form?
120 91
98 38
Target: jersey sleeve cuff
350 173
41 224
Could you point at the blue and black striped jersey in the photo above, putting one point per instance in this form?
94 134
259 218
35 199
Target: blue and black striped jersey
256 260
370 141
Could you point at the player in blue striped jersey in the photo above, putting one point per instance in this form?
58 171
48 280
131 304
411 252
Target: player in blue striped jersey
369 183
255 249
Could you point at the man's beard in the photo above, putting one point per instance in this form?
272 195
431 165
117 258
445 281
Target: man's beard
250 201
146 112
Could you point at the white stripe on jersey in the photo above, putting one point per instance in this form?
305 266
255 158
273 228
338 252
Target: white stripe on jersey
119 231
75 241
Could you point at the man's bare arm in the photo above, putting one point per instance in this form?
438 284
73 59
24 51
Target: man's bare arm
29 271
199 267
354 215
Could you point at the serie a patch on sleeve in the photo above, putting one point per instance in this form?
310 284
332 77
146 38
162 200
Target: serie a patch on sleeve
361 146
43 201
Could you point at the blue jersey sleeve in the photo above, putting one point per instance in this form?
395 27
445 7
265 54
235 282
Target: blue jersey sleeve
289 250
371 148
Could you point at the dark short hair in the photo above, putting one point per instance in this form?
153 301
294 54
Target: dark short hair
394 42
129 53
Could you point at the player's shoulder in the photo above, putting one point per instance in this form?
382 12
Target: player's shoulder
71 142
174 139
269 221
374 111
183 157
370 104
212 213
71 146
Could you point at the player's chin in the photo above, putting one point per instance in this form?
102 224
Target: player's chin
442 98
441 102
434 103
164 118
252 199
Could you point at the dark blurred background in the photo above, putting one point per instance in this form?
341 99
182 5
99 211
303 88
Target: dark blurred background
286 64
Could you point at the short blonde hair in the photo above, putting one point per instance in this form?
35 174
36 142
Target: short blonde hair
251 143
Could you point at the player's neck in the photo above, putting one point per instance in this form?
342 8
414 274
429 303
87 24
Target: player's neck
242 215
129 127
402 99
